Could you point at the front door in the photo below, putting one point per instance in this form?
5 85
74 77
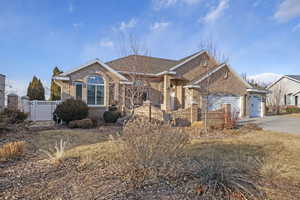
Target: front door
255 106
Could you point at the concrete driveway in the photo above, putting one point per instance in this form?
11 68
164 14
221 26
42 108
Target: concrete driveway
282 123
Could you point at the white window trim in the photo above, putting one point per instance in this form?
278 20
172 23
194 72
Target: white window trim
75 88
104 92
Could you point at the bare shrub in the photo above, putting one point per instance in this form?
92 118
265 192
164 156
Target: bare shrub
150 152
12 150
57 154
220 179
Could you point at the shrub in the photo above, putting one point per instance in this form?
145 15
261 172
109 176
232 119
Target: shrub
149 153
292 109
71 110
217 179
14 116
12 150
111 116
84 123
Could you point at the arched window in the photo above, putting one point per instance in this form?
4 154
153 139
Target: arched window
95 90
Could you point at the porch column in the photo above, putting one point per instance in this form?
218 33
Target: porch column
243 106
166 93
263 108
179 94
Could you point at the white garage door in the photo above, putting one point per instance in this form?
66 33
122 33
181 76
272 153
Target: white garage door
216 102
255 106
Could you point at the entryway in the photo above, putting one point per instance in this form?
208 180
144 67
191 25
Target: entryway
255 106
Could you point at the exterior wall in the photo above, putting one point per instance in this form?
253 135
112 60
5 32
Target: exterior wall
2 91
286 86
225 81
195 68
111 82
156 92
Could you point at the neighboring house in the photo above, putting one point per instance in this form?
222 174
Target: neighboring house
173 84
2 91
286 90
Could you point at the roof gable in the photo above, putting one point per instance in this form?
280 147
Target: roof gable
219 68
295 78
94 62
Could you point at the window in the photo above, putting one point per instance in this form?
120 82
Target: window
296 100
78 92
95 90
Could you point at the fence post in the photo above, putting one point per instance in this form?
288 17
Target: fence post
227 113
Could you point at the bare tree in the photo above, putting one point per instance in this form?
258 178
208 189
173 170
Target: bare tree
276 97
138 86
219 58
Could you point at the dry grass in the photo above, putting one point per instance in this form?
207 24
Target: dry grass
12 150
297 115
75 137
57 154
277 153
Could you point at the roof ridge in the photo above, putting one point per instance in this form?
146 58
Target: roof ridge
152 57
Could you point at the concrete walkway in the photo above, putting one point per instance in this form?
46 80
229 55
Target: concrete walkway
282 123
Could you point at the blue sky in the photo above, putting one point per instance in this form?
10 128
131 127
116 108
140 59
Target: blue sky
258 36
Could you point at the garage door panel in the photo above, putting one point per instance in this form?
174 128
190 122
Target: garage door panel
216 102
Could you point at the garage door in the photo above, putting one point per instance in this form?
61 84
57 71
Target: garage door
216 102
255 106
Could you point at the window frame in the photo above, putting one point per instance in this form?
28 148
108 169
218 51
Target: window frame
95 91
76 84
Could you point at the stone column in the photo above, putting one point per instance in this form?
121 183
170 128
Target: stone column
194 112
179 95
166 92
263 108
243 106
12 102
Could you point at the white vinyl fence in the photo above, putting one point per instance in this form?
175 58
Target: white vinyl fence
39 110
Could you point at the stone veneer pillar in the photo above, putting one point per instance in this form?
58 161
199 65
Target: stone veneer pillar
166 92
194 112
12 101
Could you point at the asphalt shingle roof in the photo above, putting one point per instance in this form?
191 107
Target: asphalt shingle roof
142 64
297 77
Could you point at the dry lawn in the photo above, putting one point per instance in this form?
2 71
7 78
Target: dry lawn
276 153
297 115
73 137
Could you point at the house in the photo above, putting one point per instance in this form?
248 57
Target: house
173 84
285 91
2 91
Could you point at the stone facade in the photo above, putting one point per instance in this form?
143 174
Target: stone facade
2 91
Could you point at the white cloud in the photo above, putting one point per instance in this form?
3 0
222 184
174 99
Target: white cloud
265 77
287 10
77 26
159 4
159 26
127 25
216 12
71 8
256 3
106 43
296 28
